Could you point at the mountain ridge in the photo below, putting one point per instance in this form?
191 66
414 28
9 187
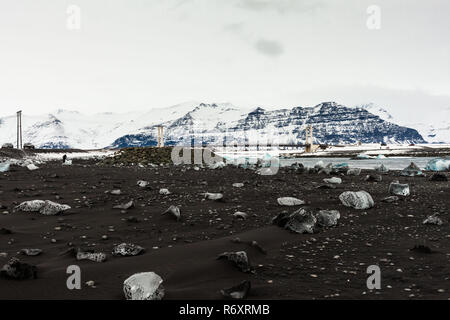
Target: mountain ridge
217 123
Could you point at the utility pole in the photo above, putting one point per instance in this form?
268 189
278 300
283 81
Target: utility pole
309 139
19 129
160 136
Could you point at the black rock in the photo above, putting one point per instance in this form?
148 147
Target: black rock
5 231
327 218
343 168
250 243
373 178
31 252
300 221
125 206
390 199
422 249
327 186
237 292
132 219
15 269
296 167
239 258
281 219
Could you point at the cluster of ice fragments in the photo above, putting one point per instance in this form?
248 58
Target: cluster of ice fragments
127 249
46 207
305 220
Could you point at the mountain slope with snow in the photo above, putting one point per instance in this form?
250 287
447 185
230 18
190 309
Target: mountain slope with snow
201 123
433 125
332 124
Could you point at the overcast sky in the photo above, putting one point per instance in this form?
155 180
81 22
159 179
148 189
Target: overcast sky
141 54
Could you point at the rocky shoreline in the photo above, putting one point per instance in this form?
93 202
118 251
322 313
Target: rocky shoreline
425 152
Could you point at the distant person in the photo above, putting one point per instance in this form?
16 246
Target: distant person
64 158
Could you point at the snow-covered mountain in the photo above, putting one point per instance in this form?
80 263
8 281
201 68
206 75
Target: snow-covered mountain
71 129
208 123
433 125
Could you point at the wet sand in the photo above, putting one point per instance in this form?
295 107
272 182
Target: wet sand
330 264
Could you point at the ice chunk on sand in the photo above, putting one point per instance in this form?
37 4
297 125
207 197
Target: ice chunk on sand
143 183
143 286
433 219
51 208
328 218
354 172
127 249
174 211
333 180
218 165
319 165
30 206
411 171
4 166
381 169
399 189
213 196
125 206
32 167
290 201
358 200
92 256
240 215
46 207
164 191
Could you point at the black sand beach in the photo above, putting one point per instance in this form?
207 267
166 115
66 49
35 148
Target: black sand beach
329 264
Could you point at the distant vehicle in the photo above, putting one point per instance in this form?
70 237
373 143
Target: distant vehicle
383 144
28 146
412 145
7 146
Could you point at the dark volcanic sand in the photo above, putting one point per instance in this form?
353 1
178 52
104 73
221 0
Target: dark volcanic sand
331 263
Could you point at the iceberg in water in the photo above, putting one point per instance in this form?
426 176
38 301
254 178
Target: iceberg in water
438 164
341 165
244 162
363 156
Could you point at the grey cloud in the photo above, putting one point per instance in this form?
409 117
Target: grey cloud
281 6
269 47
234 27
